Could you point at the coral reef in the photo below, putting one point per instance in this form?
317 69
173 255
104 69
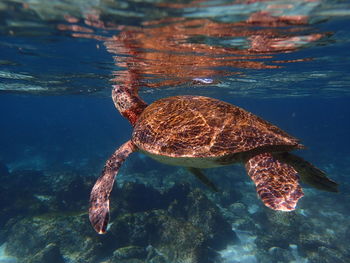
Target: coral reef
44 219
54 235
51 253
177 225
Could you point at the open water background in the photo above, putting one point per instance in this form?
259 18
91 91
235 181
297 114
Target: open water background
286 61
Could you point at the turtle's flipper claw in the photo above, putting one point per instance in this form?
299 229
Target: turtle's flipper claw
99 197
99 201
99 217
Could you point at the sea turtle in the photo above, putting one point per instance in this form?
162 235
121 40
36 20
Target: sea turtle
200 132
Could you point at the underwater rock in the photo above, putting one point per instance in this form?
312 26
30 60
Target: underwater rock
347 233
68 189
28 180
51 253
17 196
135 197
227 197
179 225
129 252
283 228
245 224
205 214
29 239
154 256
194 207
312 242
130 229
176 240
180 202
32 192
280 255
238 214
328 255
132 260
238 210
180 241
73 192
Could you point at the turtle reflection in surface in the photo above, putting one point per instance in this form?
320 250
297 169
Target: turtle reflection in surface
200 132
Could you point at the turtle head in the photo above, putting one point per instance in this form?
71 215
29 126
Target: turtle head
128 103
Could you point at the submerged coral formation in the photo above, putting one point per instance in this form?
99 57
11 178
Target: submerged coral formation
177 225
164 220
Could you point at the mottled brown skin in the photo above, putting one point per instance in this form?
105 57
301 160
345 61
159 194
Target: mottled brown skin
200 132
277 183
99 197
128 103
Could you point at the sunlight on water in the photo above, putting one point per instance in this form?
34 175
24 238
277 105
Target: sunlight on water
167 45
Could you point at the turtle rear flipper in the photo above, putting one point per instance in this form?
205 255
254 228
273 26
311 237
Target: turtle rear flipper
204 179
309 174
277 183
99 197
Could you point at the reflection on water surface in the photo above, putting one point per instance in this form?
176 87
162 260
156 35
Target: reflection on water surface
168 45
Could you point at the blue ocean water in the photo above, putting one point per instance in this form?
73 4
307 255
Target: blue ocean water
285 61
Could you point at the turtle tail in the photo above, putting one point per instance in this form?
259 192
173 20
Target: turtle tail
309 174
99 197
277 183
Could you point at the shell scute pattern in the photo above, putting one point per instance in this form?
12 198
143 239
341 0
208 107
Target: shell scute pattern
195 126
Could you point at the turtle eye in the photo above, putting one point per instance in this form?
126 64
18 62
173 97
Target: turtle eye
286 188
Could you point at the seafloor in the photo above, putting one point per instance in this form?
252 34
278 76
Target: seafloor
162 214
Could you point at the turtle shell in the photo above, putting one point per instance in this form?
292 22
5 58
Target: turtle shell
201 127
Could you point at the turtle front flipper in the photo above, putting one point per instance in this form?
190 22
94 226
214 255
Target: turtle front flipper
99 197
277 183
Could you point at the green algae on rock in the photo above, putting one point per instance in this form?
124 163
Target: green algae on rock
178 228
51 253
29 239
